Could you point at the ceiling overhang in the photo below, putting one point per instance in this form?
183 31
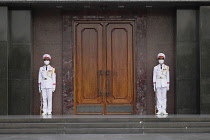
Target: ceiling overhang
104 4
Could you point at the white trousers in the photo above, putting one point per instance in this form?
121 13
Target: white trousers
161 99
47 100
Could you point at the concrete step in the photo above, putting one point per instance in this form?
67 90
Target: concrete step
107 125
69 125
104 125
92 120
103 131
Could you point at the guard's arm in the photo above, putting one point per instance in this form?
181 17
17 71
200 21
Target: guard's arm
39 80
154 79
168 79
54 79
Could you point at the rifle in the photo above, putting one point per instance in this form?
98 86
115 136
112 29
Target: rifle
155 104
41 104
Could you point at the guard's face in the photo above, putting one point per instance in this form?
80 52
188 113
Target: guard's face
46 61
161 60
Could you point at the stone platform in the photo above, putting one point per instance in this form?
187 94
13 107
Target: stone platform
104 124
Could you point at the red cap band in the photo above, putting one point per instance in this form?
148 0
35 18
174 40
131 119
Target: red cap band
46 58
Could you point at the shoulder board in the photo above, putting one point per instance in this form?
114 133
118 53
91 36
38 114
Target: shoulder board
53 69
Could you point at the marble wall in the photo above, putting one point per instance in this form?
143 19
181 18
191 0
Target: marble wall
47 38
161 27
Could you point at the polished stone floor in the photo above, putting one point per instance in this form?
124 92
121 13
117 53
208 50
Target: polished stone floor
178 136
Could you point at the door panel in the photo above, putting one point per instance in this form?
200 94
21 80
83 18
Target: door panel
88 62
120 63
104 74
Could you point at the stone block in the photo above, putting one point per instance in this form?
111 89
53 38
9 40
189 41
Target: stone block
3 60
205 95
3 24
20 97
3 97
20 26
187 25
20 61
187 97
205 57
187 60
204 22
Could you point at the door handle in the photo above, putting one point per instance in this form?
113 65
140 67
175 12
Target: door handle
100 72
108 73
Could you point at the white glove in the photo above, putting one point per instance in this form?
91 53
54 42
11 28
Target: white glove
167 88
40 89
154 86
53 88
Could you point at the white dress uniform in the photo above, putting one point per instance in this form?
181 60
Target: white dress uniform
161 86
47 84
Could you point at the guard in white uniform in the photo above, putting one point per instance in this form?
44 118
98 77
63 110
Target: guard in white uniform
161 84
47 84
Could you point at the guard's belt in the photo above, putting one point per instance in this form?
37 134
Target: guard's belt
161 77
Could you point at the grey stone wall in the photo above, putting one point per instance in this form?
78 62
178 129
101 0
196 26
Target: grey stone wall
189 62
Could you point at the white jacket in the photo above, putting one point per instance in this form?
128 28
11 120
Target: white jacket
47 78
161 76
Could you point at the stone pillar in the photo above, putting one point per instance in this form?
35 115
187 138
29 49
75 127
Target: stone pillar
3 60
187 62
204 27
20 66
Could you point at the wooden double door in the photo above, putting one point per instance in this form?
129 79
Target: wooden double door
104 67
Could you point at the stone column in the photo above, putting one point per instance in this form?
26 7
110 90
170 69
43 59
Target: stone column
3 60
20 66
187 62
204 27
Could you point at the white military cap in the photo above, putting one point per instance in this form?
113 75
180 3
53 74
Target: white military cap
161 55
46 56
